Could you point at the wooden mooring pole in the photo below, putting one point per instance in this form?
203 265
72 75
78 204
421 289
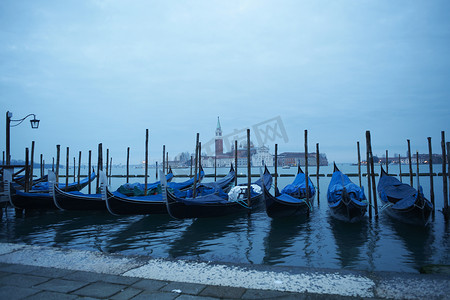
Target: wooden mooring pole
215 167
235 162
417 169
306 166
27 170
128 164
99 165
67 169
195 165
89 170
31 164
387 162
444 175
369 183
249 171
74 168
110 167
79 167
400 167
430 165
448 166
42 166
107 164
146 163
374 188
317 170
190 173
359 163
199 158
410 164
164 159
58 150
276 169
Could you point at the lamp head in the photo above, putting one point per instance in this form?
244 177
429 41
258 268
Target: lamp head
34 123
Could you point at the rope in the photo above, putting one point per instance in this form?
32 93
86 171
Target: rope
241 202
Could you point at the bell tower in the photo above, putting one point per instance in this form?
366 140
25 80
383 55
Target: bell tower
219 140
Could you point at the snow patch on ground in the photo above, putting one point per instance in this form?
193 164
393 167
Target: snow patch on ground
321 283
68 259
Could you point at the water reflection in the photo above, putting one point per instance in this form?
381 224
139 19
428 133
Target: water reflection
417 241
31 227
349 239
144 235
283 234
206 235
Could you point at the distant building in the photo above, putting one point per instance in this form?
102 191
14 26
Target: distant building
292 159
219 139
259 156
262 157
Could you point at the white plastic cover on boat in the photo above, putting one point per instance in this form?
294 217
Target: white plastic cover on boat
240 192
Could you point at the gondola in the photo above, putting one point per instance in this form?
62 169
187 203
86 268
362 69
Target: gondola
185 185
402 201
285 204
138 189
346 200
215 202
76 200
20 181
224 183
80 201
39 198
44 187
120 204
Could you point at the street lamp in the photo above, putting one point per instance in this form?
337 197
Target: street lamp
34 124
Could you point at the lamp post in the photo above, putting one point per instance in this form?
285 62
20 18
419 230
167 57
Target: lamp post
34 124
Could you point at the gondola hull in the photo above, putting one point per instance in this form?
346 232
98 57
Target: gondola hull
348 210
346 200
77 201
180 209
277 208
418 214
142 205
24 200
403 202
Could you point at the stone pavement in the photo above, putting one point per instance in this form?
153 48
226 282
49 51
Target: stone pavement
31 282
34 272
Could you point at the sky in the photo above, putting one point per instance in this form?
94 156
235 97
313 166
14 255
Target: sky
101 71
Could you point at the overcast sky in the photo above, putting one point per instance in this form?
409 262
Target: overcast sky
105 71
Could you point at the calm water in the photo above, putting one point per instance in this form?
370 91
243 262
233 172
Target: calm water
317 241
